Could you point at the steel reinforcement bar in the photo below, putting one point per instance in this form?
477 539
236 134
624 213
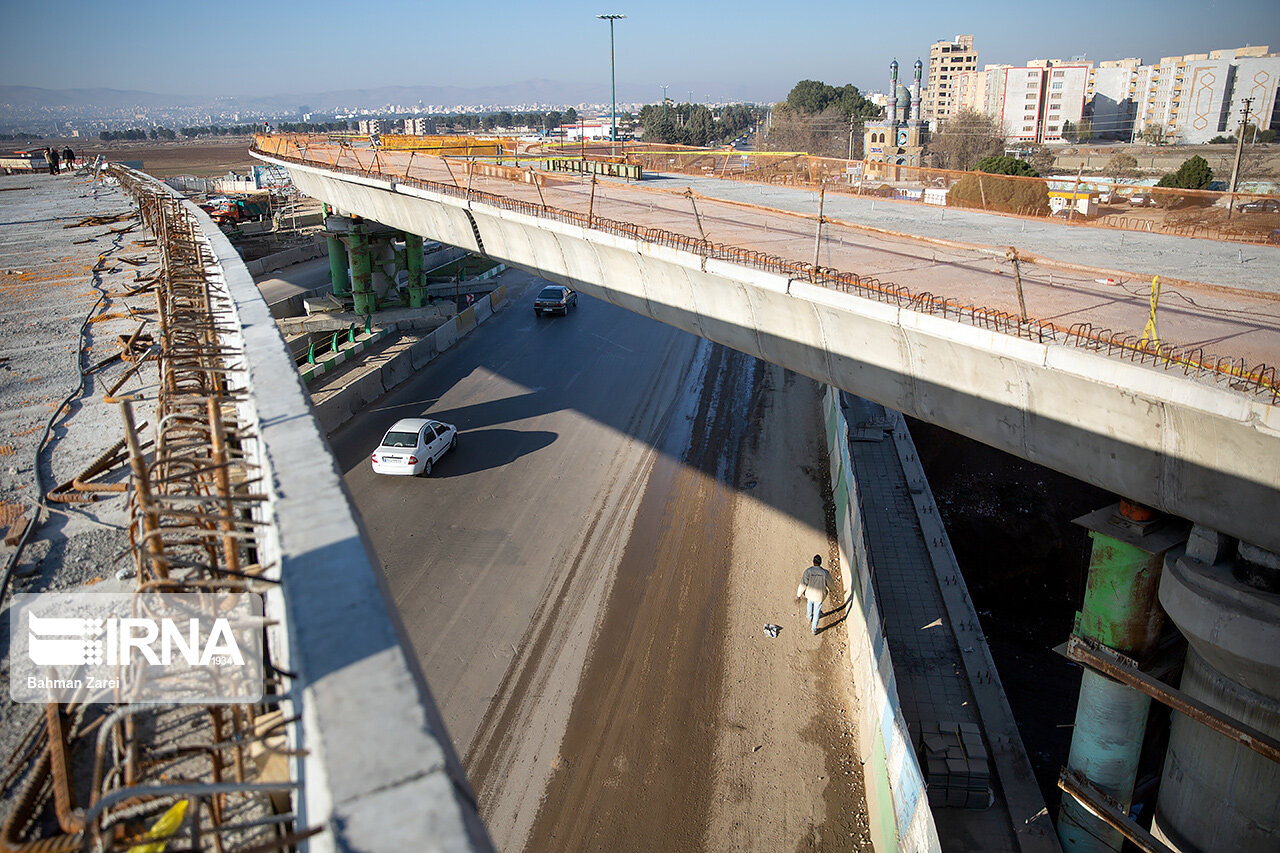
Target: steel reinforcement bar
1259 380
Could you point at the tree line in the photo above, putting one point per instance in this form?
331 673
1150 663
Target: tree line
821 119
696 124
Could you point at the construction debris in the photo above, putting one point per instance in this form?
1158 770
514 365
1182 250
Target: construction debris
101 220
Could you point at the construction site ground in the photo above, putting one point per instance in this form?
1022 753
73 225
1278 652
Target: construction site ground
61 270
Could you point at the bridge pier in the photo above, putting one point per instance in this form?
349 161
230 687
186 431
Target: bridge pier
1217 793
339 262
361 271
417 286
1121 612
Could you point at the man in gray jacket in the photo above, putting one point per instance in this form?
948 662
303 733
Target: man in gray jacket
815 583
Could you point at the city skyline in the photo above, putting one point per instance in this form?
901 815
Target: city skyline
748 51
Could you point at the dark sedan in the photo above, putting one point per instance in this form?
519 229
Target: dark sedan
555 299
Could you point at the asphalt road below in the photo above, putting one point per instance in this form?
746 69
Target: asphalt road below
585 578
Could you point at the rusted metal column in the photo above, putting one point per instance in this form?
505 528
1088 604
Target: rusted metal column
1120 611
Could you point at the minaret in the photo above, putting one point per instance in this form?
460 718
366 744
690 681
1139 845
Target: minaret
915 94
893 97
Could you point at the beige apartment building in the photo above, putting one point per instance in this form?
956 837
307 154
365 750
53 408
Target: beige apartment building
1181 99
947 60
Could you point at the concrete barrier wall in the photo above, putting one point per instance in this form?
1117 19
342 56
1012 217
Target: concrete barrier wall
377 769
897 805
337 407
287 258
1191 449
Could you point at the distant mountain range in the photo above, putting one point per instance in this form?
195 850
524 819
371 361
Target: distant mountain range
27 98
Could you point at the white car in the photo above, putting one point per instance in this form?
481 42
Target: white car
412 446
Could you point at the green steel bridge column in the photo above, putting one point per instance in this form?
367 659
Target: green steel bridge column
1121 611
362 273
339 273
413 263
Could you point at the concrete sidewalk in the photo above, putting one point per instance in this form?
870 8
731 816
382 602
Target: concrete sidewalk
1242 266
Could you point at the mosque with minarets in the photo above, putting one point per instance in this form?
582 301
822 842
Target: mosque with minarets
897 139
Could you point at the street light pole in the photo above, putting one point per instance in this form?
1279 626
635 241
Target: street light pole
613 84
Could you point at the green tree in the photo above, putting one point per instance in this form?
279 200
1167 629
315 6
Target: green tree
571 116
1193 174
812 97
504 119
965 139
1005 165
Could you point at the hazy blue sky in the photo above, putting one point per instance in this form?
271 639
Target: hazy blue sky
742 49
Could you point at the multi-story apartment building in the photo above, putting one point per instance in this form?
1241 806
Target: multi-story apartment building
946 60
1036 103
1186 99
371 126
419 126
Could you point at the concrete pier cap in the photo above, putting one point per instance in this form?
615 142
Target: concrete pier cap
1233 625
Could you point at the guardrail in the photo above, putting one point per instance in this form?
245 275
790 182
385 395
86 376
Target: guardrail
1234 373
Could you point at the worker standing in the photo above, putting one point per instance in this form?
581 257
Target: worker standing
815 583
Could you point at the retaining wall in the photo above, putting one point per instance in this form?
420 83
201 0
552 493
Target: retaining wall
897 806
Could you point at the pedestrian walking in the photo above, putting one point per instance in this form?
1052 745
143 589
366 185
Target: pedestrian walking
68 157
815 583
51 154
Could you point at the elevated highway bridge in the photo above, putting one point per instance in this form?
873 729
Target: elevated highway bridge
1177 428
1067 365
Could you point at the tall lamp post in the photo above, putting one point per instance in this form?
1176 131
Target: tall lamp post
613 88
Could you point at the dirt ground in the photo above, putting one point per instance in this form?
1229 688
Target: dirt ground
203 157
748 741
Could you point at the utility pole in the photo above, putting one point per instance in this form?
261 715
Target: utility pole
817 236
613 87
1235 170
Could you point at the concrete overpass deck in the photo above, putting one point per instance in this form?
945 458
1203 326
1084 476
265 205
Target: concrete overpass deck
1170 425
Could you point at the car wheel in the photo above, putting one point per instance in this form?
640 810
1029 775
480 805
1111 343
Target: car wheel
426 469
537 313
453 442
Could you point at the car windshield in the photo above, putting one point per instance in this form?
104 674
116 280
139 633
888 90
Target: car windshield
551 293
400 439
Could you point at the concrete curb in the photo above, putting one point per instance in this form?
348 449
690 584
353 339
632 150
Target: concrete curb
336 408
345 353
1031 824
